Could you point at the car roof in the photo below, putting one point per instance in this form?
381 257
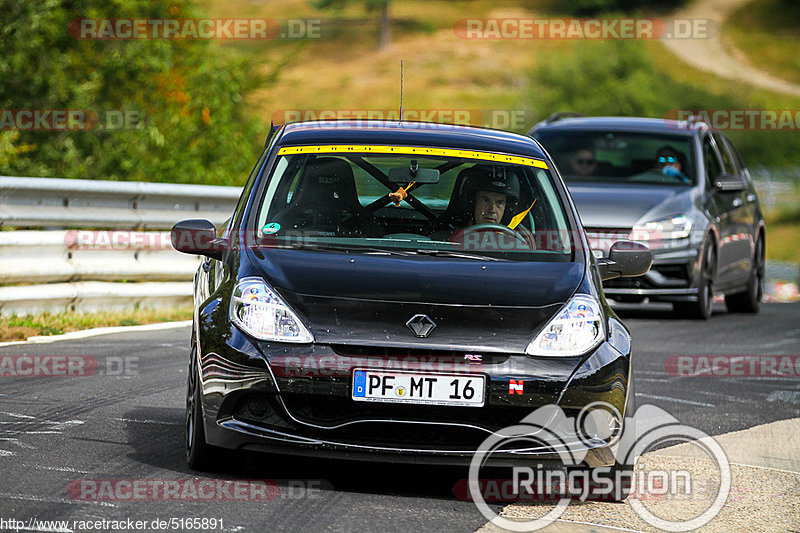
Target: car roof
408 133
632 124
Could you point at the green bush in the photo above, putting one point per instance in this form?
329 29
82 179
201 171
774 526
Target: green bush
189 92
585 8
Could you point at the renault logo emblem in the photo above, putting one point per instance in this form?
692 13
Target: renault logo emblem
421 325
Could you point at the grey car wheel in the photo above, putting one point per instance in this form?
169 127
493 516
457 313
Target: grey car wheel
749 301
701 309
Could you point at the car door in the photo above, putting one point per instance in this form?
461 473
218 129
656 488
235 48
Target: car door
742 215
720 206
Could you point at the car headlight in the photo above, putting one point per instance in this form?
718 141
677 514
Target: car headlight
259 311
576 329
674 227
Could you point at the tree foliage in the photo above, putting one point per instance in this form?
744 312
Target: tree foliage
189 92
586 8
381 6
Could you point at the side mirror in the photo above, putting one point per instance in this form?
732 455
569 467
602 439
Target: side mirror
729 183
625 259
198 237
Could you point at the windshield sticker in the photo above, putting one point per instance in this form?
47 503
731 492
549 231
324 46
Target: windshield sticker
412 150
272 227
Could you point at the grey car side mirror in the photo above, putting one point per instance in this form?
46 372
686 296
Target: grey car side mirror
729 183
625 259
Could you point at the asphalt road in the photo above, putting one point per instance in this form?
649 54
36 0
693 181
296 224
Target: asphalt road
125 422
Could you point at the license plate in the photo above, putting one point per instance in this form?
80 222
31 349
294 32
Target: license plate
420 388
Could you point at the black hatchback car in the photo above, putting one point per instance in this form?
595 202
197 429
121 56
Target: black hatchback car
677 186
398 291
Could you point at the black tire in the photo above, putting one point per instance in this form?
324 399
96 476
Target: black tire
621 474
199 454
701 309
749 301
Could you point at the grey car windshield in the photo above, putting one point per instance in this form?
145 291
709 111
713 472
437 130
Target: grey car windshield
480 206
621 157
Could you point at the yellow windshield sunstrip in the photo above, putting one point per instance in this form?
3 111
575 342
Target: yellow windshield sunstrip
412 150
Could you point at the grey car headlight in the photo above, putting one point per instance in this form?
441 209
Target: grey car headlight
667 228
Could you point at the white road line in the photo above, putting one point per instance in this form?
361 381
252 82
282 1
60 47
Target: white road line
740 464
57 468
768 468
31 498
679 400
99 331
142 421
17 415
617 528
6 453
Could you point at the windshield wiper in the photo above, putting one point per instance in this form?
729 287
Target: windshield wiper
459 255
347 249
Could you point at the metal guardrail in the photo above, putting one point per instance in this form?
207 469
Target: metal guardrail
68 267
70 203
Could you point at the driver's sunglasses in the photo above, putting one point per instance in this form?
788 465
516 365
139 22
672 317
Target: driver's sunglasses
586 161
665 160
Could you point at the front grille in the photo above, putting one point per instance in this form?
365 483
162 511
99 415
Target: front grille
334 410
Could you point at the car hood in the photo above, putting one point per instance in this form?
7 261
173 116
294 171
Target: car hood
603 205
365 299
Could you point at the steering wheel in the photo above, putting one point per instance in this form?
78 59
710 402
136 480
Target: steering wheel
490 226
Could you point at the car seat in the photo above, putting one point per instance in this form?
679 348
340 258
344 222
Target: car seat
326 202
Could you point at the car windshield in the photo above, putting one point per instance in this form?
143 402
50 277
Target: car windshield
425 201
621 157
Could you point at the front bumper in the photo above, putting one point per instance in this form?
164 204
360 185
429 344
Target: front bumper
672 278
296 399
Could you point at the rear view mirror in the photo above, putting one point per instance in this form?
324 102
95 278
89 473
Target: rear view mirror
406 175
198 237
625 259
729 183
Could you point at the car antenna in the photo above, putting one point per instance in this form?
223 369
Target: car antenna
401 90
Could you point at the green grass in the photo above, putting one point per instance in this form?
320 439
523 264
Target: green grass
768 33
21 327
783 228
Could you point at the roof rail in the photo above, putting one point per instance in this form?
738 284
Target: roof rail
555 117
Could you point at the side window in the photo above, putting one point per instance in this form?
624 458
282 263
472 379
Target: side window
727 160
712 164
737 160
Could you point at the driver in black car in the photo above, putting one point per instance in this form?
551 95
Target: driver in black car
484 196
493 193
